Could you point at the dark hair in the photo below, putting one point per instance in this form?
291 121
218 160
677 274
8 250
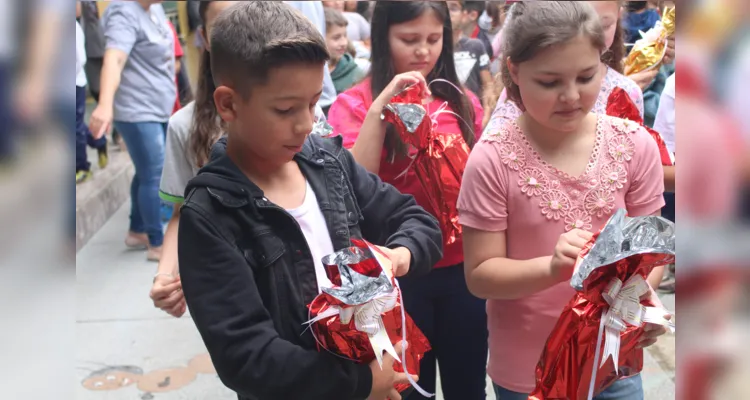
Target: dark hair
478 6
335 17
634 6
389 13
533 26
363 8
614 56
205 129
251 38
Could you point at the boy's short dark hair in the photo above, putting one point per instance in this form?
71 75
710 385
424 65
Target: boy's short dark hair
335 18
478 6
253 37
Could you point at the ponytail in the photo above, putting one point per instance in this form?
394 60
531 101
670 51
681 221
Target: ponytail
205 130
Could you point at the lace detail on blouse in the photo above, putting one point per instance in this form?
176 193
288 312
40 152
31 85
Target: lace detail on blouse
562 197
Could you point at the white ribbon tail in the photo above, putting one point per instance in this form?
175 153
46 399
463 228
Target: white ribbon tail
380 342
412 382
597 355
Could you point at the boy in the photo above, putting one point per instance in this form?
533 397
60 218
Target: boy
472 60
345 71
472 10
270 204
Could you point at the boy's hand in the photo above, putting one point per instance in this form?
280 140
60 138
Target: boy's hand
384 379
400 259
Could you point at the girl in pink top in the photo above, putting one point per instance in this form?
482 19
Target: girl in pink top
534 188
412 40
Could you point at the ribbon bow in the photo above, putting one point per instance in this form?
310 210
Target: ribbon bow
625 309
367 319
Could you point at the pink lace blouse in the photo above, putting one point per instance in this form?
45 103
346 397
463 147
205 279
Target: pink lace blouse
508 187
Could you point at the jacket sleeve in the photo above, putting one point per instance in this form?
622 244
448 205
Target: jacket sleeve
394 219
247 352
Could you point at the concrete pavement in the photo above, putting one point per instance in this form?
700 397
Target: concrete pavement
126 349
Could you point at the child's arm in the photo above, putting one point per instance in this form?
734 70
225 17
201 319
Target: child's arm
249 356
394 219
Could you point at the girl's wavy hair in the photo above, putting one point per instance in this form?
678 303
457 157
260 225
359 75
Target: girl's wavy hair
533 26
206 127
389 13
614 57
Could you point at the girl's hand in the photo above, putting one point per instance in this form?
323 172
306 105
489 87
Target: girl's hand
398 84
566 252
670 53
652 333
167 295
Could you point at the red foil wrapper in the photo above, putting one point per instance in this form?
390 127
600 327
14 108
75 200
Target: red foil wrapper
565 368
439 162
344 339
620 105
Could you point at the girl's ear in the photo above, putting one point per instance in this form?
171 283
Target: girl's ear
513 69
225 100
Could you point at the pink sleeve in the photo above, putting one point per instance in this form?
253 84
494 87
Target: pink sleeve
478 114
347 114
482 201
645 195
497 43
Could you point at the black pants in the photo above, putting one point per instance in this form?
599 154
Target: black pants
455 323
83 134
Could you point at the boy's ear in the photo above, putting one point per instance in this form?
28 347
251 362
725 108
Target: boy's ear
225 99
204 38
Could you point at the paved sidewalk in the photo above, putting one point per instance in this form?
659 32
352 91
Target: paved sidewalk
127 350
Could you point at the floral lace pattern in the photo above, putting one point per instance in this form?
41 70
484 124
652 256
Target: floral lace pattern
573 200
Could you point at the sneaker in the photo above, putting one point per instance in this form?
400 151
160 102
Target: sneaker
103 157
83 176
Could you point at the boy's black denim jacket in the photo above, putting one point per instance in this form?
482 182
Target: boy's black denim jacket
248 274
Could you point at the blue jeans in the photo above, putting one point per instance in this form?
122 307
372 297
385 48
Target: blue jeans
624 389
145 142
455 323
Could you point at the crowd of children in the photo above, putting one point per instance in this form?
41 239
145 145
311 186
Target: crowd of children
258 201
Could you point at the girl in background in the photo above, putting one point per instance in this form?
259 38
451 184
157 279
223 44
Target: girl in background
411 41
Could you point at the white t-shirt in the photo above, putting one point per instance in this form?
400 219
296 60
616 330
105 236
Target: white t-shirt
80 57
664 122
314 227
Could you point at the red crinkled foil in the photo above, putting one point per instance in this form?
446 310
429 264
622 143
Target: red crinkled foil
345 340
620 105
565 367
439 164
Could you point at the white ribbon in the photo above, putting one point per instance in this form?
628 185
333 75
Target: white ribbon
367 319
625 309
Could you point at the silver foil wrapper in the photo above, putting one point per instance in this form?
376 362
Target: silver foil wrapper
623 237
356 288
411 114
322 128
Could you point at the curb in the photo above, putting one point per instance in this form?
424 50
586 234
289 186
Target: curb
98 199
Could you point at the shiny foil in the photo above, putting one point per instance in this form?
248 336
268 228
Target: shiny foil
322 128
623 248
359 278
620 105
648 52
439 162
